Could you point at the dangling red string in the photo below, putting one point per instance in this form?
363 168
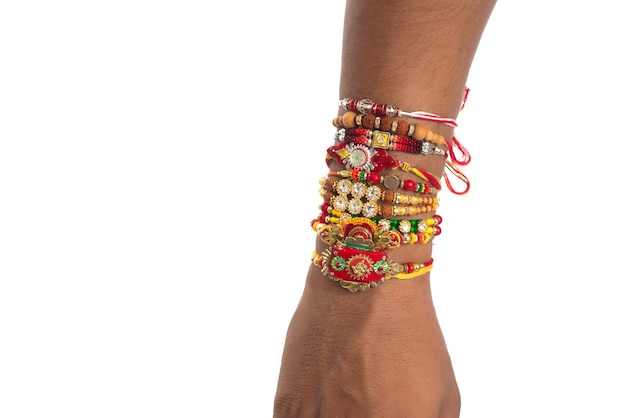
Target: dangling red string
458 174
465 97
465 157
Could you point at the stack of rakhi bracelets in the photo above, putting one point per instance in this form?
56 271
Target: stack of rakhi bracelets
374 201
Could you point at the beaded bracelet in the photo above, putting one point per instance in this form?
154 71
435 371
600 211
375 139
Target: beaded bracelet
359 189
343 208
388 141
411 225
395 233
372 193
364 158
387 210
340 205
370 107
420 132
401 225
350 193
391 181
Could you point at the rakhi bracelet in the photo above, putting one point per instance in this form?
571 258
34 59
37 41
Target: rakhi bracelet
349 195
359 188
391 181
360 157
387 210
356 188
403 232
343 207
388 124
406 199
364 158
411 225
340 207
370 107
401 225
396 239
357 270
387 141
324 220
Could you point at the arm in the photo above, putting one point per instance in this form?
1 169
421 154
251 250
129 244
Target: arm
381 353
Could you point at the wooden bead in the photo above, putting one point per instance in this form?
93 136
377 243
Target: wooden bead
349 120
420 132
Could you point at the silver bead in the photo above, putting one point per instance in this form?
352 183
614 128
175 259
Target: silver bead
364 106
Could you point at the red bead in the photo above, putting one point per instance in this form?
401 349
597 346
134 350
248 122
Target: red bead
437 230
409 185
410 267
438 219
373 178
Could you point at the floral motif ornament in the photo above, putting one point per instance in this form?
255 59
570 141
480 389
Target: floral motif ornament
357 262
360 157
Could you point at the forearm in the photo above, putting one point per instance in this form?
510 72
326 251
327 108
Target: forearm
381 352
415 54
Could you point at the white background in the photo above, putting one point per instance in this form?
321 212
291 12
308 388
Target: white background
158 173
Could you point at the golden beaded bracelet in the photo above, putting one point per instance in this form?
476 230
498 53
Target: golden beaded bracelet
390 181
349 195
395 233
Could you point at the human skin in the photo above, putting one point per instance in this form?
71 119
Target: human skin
381 353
